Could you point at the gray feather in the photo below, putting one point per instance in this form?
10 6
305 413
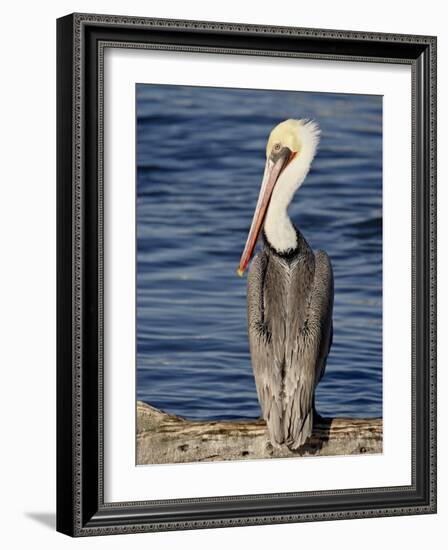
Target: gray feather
289 307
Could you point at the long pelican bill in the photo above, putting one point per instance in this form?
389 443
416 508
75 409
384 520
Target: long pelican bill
272 171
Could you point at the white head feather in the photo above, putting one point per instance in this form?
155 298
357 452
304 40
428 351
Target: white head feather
302 138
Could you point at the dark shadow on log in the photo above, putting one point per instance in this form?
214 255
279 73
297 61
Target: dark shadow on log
167 439
319 437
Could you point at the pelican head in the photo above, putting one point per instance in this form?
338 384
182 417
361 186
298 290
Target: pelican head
290 150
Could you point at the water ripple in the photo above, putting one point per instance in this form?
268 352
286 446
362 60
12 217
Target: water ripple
200 156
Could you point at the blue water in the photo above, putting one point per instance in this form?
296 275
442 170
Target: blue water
200 157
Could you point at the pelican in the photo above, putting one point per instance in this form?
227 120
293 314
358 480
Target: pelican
289 292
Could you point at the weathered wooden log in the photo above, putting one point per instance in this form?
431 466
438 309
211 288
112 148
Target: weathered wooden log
167 439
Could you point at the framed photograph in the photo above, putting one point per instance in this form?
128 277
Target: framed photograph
246 274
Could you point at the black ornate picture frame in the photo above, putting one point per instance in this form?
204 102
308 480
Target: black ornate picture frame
81 508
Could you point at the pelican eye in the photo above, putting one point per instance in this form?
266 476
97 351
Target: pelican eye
277 147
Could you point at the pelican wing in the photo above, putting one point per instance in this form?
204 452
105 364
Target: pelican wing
308 344
267 363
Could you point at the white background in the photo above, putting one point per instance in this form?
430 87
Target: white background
125 482
27 230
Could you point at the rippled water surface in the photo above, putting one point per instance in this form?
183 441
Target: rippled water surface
200 156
